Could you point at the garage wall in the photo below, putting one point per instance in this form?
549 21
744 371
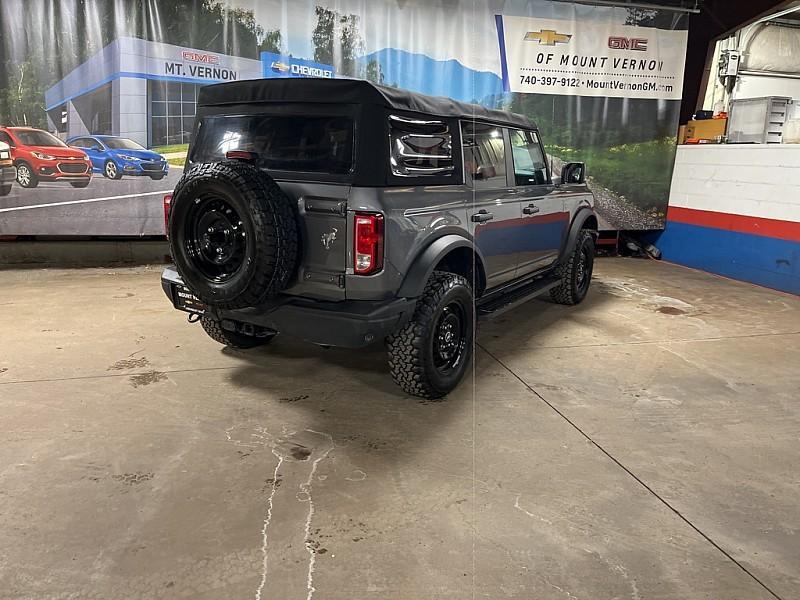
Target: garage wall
734 210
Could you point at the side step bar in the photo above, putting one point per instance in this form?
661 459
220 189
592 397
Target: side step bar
494 307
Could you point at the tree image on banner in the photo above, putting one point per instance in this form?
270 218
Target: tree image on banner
337 40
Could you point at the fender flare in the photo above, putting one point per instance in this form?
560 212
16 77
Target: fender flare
577 224
426 261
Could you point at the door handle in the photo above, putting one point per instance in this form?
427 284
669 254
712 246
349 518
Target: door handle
531 209
482 216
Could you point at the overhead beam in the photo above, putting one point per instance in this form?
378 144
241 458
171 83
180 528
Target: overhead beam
647 5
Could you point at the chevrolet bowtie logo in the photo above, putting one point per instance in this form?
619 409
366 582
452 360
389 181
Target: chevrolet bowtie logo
548 37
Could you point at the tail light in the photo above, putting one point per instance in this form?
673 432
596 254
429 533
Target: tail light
167 205
368 243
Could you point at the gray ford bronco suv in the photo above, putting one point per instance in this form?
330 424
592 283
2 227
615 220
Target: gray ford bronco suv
346 213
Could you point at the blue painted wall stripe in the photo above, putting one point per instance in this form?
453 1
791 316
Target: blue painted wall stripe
770 262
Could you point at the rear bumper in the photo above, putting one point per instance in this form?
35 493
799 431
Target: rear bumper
348 324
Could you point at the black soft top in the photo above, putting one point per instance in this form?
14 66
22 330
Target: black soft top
350 91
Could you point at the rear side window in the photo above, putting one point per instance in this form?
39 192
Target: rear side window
484 155
420 147
530 167
310 144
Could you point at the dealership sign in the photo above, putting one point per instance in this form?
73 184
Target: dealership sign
278 65
546 56
196 64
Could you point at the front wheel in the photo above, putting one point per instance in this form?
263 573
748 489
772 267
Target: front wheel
26 177
232 339
429 355
576 272
111 170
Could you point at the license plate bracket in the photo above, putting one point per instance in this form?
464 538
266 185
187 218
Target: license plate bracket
186 301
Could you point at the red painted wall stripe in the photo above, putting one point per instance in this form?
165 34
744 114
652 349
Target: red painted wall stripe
772 228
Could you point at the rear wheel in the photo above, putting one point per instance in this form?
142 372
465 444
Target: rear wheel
233 339
25 176
429 356
576 272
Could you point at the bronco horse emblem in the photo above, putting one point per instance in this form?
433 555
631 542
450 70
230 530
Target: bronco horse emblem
329 238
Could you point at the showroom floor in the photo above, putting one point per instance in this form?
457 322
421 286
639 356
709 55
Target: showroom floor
642 445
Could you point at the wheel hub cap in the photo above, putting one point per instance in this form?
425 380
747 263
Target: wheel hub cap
216 239
449 338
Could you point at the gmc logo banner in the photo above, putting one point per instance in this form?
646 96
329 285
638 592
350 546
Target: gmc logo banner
623 43
590 58
200 57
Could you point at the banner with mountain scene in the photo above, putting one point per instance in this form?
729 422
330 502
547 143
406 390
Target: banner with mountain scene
98 97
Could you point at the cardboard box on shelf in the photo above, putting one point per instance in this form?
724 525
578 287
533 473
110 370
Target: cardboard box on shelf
709 129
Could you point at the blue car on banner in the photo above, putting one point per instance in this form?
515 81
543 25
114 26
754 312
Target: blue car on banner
117 156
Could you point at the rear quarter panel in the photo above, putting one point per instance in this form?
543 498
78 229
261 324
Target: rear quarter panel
415 216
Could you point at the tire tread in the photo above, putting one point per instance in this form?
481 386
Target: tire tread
274 218
406 347
564 293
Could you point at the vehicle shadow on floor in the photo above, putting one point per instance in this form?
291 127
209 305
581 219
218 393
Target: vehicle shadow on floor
367 368
350 395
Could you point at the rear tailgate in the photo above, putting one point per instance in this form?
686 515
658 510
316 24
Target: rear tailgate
323 227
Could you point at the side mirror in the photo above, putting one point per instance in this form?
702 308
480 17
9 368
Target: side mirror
573 173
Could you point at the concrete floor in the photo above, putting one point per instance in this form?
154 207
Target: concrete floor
643 445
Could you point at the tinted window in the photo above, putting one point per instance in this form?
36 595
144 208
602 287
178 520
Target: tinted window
83 143
318 144
484 155
122 144
34 137
530 167
420 147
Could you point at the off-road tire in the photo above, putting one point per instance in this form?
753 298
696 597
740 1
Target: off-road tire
411 347
270 222
232 339
570 291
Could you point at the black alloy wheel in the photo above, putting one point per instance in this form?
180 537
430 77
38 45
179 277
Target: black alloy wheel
583 271
448 339
216 239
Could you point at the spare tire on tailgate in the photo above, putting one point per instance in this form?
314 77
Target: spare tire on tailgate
233 234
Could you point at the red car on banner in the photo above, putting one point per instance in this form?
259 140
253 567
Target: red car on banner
41 156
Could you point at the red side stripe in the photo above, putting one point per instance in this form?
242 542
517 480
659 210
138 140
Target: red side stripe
772 228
